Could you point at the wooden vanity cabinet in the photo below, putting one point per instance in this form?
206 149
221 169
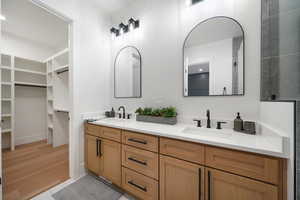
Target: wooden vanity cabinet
92 159
110 161
183 150
92 129
180 180
141 141
103 156
151 168
254 166
225 186
141 186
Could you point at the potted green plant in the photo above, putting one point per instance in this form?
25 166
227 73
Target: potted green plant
166 115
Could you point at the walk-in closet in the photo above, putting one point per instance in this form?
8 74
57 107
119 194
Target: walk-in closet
35 101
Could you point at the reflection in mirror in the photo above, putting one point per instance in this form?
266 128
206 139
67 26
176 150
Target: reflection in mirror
214 59
128 73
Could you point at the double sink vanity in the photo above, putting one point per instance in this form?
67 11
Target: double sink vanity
154 161
184 162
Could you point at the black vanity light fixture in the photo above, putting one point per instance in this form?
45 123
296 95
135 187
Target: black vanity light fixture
124 28
192 2
133 24
115 31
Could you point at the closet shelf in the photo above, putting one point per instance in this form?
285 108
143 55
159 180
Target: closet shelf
5 83
61 69
6 99
6 115
5 67
6 131
61 110
30 71
30 84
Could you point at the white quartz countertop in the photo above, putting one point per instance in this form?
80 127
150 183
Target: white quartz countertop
265 142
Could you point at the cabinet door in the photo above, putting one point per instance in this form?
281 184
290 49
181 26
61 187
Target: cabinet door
225 186
92 161
180 180
110 161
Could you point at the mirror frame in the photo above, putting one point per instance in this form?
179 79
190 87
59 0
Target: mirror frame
115 62
184 42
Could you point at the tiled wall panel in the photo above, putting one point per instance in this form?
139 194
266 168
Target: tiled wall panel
280 59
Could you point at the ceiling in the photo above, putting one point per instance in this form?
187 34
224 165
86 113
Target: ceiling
27 21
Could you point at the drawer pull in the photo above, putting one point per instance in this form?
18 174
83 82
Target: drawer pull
137 141
100 147
137 186
137 161
209 185
200 183
97 147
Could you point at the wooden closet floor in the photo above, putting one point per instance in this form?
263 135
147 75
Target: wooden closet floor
32 169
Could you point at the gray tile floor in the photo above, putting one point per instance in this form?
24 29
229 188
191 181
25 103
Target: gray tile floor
88 188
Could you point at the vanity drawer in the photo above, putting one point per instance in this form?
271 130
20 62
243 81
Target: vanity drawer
182 150
142 141
111 134
245 164
138 185
92 129
144 162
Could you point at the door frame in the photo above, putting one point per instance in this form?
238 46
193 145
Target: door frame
73 160
1 175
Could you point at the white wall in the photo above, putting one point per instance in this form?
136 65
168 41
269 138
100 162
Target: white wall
17 46
30 101
90 72
219 56
279 116
163 28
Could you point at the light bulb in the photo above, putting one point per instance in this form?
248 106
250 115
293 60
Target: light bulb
131 27
121 31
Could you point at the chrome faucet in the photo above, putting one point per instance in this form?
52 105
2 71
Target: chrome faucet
208 119
123 109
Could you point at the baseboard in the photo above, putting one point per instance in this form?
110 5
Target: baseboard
82 171
29 139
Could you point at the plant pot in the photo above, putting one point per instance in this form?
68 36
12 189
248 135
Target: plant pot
159 120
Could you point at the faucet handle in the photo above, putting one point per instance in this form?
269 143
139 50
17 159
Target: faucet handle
129 115
198 122
219 124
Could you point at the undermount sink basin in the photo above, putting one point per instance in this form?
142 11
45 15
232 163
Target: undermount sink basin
223 133
115 120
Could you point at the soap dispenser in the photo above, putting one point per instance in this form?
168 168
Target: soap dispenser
238 123
113 113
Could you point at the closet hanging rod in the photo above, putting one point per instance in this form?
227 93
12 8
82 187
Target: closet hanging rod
24 85
62 71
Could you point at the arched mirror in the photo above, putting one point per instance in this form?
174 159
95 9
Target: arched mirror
128 68
214 59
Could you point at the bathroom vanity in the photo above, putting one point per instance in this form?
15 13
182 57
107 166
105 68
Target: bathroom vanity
178 162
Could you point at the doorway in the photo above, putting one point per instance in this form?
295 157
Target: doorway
35 99
199 84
